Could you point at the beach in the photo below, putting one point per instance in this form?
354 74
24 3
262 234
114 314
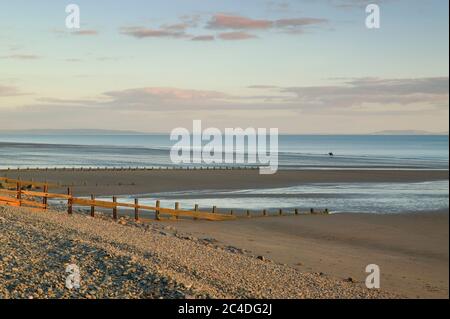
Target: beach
126 182
410 248
142 261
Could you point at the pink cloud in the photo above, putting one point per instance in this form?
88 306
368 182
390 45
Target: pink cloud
298 22
233 36
85 32
141 32
224 21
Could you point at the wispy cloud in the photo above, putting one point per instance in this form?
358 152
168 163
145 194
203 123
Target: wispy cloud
229 27
234 22
238 35
225 21
203 38
366 95
6 90
21 57
429 92
142 32
85 32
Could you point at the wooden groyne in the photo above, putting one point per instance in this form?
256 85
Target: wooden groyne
18 193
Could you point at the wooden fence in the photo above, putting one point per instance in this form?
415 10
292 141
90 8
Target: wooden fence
39 199
23 195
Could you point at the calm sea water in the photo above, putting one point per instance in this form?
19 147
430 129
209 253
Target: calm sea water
370 151
337 197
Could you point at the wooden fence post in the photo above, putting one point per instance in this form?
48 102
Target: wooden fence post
177 207
296 211
92 206
248 213
115 208
69 201
280 212
196 210
264 212
44 199
136 209
19 191
157 213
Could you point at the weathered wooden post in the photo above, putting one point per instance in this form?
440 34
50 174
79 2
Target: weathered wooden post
214 209
114 208
19 191
280 212
231 212
177 208
136 209
93 205
195 210
248 213
44 199
264 212
296 211
157 213
312 211
69 201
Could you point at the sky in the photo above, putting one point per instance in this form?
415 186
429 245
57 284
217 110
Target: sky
302 66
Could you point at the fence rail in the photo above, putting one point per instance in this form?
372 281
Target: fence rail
21 195
35 199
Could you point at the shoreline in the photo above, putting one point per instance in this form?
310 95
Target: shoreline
110 182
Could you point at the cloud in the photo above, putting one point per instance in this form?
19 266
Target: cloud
299 22
21 57
85 32
225 21
230 27
233 22
430 92
150 94
239 35
203 38
348 97
142 32
6 90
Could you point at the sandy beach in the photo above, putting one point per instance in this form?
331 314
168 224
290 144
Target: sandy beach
412 249
127 182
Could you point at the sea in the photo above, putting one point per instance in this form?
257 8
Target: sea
368 152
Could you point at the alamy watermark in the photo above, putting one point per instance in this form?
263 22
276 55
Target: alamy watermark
73 278
373 20
233 146
73 18
373 279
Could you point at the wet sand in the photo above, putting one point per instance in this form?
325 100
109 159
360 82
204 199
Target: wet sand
127 182
412 250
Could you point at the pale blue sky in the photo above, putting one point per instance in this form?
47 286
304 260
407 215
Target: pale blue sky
50 73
